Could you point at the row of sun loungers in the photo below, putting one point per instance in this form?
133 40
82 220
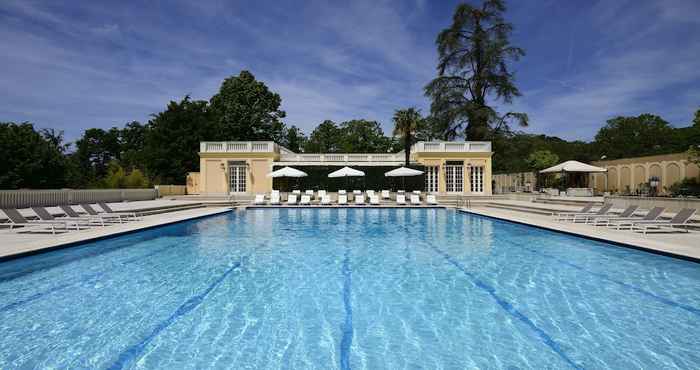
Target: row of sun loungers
359 198
69 220
628 219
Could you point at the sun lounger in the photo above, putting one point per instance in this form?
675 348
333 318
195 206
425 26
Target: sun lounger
321 194
401 199
622 222
342 192
385 194
585 210
305 199
359 199
417 192
16 219
325 199
45 215
370 193
109 210
602 220
680 220
604 210
342 199
292 199
571 216
259 199
400 191
430 199
310 193
374 200
70 212
275 197
91 211
415 200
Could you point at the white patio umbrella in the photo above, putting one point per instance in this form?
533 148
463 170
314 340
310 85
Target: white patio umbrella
573 166
287 172
403 172
346 172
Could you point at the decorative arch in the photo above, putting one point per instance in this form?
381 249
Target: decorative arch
625 179
640 175
673 174
655 170
612 178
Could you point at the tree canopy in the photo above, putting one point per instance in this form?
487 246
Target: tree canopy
474 55
407 123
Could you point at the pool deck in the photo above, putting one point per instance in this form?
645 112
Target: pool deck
683 245
14 244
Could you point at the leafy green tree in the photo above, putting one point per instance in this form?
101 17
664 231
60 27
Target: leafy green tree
474 53
646 134
362 136
30 158
294 139
407 122
541 159
245 109
325 138
95 150
132 140
172 140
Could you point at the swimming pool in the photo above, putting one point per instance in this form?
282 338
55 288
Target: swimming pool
349 288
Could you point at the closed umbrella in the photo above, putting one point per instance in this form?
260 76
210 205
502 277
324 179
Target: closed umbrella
403 172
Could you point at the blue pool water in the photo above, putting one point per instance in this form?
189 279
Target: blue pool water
349 288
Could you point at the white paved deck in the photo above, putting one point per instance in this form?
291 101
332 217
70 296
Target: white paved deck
12 243
680 244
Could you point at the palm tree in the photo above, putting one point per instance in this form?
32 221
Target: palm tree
406 124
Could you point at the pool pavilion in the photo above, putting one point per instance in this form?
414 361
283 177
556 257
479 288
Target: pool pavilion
241 167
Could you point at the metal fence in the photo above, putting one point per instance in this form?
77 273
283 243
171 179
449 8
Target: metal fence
53 197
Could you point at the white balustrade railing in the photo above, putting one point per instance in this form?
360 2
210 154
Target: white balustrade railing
340 157
238 147
54 197
448 146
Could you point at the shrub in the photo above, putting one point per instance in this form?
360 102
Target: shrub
686 187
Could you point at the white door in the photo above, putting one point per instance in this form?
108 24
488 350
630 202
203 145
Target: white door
431 179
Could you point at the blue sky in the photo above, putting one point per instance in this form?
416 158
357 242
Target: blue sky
72 65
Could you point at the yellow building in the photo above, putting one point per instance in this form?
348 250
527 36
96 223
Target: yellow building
242 167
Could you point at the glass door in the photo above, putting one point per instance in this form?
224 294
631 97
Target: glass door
454 177
431 179
477 180
237 176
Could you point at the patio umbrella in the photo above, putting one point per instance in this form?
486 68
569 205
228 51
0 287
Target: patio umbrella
287 172
403 172
346 172
573 167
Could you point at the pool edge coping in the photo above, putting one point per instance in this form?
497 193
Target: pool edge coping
70 244
590 237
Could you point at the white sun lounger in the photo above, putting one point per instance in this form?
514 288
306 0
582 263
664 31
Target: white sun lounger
385 194
342 199
296 192
430 199
292 199
305 199
259 199
359 199
417 192
325 199
415 199
370 193
374 200
342 192
401 199
16 219
602 211
321 194
602 220
275 197
310 193
561 215
677 223
626 223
